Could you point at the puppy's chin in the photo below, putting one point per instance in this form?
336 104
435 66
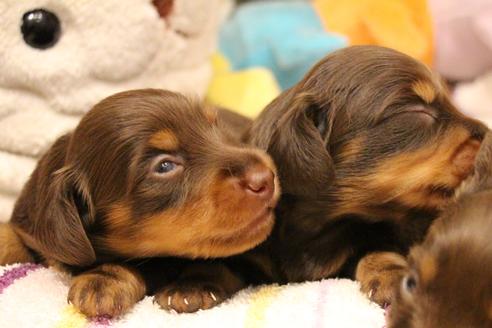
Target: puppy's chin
241 239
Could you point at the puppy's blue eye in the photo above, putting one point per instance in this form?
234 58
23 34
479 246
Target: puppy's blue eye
165 167
409 283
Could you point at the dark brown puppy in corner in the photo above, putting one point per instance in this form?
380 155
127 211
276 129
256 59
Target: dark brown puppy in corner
369 149
449 279
146 174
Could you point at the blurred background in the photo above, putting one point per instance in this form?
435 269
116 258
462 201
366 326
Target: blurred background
453 37
60 57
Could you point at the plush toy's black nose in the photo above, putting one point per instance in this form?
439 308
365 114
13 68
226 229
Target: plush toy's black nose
40 28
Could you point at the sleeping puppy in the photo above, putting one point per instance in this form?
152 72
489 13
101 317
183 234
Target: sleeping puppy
146 174
369 149
449 280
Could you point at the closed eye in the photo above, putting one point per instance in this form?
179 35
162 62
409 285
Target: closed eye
424 112
415 112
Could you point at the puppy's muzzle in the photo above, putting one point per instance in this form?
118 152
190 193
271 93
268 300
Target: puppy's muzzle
251 185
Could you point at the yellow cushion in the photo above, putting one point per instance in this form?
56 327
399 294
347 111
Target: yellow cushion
246 92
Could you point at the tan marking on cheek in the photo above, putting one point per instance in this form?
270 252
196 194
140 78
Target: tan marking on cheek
435 162
119 216
200 231
356 200
215 223
407 178
428 268
168 232
425 90
165 140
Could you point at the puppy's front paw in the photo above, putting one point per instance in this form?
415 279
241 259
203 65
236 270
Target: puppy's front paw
380 274
381 288
187 297
106 291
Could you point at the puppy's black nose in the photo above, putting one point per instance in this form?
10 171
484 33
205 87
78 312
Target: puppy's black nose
258 181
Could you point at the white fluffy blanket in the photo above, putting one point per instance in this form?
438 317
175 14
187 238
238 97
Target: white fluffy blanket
34 296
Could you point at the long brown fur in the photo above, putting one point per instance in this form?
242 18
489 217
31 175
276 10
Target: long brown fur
448 282
369 150
100 205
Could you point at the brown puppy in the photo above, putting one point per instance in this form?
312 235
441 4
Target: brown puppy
146 174
449 280
369 149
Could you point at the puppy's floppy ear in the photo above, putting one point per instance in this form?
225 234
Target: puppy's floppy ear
67 212
482 176
54 210
295 130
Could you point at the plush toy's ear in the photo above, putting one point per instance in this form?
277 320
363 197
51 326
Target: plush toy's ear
295 131
164 7
54 210
482 176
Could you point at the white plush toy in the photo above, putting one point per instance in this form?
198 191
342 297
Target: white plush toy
475 98
463 33
59 57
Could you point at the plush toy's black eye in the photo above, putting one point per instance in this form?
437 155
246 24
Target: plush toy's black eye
40 28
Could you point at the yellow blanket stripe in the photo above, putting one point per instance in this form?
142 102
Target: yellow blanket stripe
260 302
71 318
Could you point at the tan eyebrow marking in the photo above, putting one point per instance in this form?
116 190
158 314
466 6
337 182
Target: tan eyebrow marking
211 113
165 140
425 90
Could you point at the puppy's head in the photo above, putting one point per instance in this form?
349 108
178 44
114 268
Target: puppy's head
448 283
150 173
372 129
